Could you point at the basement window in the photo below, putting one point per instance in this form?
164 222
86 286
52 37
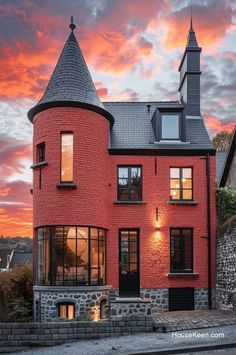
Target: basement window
66 310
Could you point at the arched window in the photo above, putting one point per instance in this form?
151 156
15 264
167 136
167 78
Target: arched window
66 310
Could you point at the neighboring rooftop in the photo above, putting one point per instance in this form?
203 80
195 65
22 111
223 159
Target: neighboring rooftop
220 160
19 258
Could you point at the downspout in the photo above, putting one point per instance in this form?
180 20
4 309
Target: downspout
208 227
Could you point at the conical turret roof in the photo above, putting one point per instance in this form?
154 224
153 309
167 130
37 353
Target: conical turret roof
71 83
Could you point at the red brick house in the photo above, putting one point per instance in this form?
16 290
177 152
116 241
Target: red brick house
124 197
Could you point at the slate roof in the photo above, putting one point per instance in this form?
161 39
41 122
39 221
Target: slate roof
19 258
228 160
192 40
133 128
220 160
71 82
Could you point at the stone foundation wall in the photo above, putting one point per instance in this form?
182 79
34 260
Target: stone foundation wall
158 297
226 266
86 301
201 298
120 308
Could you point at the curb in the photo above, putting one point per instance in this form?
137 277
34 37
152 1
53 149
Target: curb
191 349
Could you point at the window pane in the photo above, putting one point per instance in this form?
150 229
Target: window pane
71 311
70 261
69 232
94 233
136 195
175 194
67 157
187 183
187 173
175 232
123 183
62 311
175 183
123 172
133 247
123 194
133 267
170 126
82 232
187 194
82 261
174 173
133 257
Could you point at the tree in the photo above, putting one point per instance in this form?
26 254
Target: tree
221 141
16 294
225 203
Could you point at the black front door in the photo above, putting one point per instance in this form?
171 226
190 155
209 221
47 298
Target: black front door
129 262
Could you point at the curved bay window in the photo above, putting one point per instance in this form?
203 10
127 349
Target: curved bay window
71 255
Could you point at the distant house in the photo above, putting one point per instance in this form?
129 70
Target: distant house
226 172
19 258
5 255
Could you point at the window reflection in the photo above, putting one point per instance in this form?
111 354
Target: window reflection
67 157
170 127
71 256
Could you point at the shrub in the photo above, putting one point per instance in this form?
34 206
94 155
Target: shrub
225 203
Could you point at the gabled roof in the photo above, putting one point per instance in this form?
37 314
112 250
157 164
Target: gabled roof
228 160
71 83
133 128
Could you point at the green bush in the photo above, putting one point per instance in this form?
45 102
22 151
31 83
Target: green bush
16 294
225 203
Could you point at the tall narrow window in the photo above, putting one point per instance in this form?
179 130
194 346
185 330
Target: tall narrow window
129 183
40 153
181 254
67 157
181 184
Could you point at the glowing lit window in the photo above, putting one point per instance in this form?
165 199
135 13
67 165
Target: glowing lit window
181 184
67 157
66 310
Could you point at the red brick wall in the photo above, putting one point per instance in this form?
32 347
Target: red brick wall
88 203
95 173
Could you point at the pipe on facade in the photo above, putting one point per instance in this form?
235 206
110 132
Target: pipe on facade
208 227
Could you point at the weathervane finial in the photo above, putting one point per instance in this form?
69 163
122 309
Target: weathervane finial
191 20
72 25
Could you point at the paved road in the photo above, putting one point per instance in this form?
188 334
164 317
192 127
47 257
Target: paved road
143 342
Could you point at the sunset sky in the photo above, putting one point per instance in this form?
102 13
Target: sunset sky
133 49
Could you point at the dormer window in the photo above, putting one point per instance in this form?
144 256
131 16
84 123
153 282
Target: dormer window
170 127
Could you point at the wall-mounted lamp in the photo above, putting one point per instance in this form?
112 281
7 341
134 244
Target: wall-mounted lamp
158 229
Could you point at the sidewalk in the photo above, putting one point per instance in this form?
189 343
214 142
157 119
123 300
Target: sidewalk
181 320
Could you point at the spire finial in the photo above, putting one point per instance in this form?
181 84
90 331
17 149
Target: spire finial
72 25
191 20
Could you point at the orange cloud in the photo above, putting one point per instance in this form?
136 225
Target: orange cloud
15 222
211 21
215 125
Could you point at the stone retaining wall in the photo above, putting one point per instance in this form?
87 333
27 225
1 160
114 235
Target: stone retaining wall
122 307
226 266
48 334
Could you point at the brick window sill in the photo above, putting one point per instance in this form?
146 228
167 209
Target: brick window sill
183 275
39 165
66 185
182 202
129 202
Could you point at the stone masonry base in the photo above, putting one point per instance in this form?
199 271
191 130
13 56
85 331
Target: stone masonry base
89 300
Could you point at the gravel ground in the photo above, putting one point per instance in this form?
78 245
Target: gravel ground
138 342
